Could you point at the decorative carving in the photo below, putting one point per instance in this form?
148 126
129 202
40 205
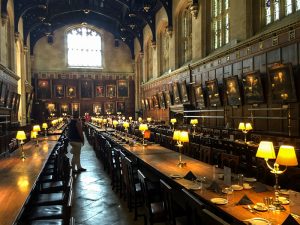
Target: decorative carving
275 41
194 8
292 35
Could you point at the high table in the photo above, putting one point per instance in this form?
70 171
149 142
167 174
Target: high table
164 162
19 177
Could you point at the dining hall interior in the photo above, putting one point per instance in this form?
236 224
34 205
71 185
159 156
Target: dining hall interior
137 112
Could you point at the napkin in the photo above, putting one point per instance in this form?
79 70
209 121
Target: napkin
259 187
245 200
290 221
190 176
215 187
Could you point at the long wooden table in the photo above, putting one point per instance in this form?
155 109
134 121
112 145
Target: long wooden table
164 161
19 177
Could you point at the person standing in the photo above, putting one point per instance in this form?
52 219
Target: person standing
75 135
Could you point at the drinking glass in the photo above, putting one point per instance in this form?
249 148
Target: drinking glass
240 179
229 192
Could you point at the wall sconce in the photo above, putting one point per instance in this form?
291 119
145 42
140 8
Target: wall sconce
21 136
181 137
245 128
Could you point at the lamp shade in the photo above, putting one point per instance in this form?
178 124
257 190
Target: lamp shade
126 124
242 126
44 125
173 120
143 127
21 135
184 136
176 135
36 128
130 118
140 119
115 123
266 150
33 134
194 121
287 156
248 126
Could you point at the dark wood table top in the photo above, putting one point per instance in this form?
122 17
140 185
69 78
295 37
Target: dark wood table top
18 177
165 162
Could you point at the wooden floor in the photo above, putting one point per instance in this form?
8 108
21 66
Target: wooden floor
94 202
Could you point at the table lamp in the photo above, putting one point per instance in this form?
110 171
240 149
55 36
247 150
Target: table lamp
143 127
173 121
286 157
21 136
181 137
245 128
140 119
194 122
149 119
45 126
130 118
37 129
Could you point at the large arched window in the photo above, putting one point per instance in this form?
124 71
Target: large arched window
277 9
220 23
149 61
164 52
185 37
84 48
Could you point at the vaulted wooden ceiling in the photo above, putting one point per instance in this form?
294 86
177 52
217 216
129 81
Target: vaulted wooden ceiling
125 19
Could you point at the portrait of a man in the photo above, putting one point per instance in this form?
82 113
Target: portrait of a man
71 91
86 89
121 107
123 88
97 108
176 96
199 96
253 91
99 91
43 89
75 108
59 91
111 91
233 91
109 107
162 100
168 99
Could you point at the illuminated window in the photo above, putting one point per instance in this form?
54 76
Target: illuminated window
84 48
220 23
185 44
277 9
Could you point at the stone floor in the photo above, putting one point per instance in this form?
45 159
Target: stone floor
94 202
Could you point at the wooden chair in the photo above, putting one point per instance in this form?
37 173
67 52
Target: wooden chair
194 150
231 161
155 211
205 154
216 156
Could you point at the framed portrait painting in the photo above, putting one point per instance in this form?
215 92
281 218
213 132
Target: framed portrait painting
168 99
253 89
213 92
155 101
3 94
51 107
147 104
143 104
75 108
86 89
59 91
161 98
282 83
123 88
97 108
110 91
183 91
99 91
109 107
233 91
199 96
176 94
121 106
64 108
43 89
71 91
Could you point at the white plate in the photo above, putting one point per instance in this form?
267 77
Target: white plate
175 176
194 187
219 201
284 192
250 179
259 221
283 200
259 208
237 187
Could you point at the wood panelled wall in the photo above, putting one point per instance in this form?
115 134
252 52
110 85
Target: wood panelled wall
256 54
74 79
